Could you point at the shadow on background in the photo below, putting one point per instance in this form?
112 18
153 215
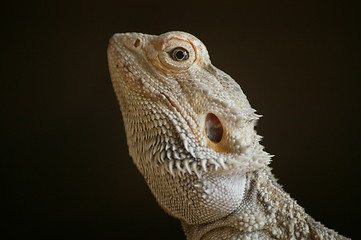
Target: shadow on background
64 157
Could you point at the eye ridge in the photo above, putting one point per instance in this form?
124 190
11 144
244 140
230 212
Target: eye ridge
179 54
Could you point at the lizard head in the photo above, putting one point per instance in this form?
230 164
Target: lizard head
190 129
169 91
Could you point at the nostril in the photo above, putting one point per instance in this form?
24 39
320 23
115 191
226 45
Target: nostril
137 43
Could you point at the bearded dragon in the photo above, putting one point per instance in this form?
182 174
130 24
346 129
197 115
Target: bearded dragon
190 132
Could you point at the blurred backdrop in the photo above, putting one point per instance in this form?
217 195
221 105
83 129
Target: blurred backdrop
64 159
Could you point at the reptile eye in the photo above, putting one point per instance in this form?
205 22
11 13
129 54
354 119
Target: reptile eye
176 55
179 54
213 128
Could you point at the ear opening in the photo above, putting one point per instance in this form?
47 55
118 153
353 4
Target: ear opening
213 128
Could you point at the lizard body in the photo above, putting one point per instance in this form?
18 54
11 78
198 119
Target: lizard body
190 132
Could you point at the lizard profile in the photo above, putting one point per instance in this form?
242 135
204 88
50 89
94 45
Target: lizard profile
190 132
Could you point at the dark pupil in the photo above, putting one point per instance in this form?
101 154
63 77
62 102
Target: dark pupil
180 54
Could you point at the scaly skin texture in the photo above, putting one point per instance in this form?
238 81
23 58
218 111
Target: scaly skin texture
190 132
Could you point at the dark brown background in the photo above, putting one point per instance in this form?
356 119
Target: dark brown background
64 159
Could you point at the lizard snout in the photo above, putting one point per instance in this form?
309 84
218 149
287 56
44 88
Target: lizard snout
132 41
